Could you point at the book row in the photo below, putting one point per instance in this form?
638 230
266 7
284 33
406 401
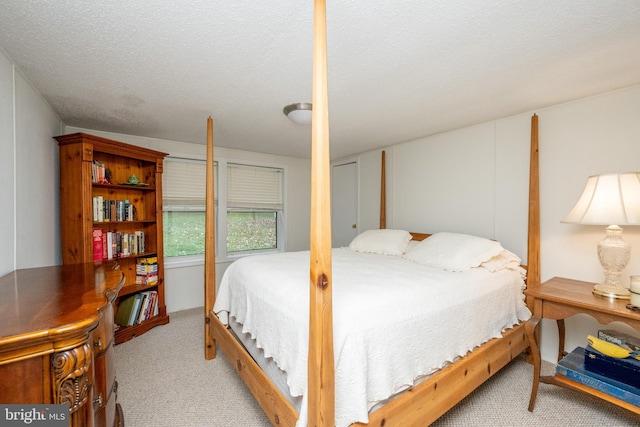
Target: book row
137 308
116 244
99 173
113 210
616 376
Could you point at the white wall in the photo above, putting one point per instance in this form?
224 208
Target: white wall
451 175
475 180
184 282
29 182
7 178
593 136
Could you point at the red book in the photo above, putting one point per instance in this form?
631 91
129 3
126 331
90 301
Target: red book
104 246
97 244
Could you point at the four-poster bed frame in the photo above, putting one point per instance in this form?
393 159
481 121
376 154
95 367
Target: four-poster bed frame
419 405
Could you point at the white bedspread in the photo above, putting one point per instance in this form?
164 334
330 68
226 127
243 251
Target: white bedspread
394 320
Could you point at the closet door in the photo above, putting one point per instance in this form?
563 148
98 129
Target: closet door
344 203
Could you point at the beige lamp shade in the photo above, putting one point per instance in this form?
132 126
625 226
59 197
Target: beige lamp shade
608 199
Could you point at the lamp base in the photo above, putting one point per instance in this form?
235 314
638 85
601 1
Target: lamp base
611 291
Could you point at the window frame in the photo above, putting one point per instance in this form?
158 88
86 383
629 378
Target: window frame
221 220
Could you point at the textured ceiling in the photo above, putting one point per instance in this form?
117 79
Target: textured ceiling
398 70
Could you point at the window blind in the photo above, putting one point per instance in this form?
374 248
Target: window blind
184 183
254 187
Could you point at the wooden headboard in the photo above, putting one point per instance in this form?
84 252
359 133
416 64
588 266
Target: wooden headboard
419 236
533 233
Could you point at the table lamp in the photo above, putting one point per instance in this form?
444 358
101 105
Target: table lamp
612 200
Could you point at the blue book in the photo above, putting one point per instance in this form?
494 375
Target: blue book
572 367
625 370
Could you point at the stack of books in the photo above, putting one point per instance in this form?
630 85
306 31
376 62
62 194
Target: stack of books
617 377
147 271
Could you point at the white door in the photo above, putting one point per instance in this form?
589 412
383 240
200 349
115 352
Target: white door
344 204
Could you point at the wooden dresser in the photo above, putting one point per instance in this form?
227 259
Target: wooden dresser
56 340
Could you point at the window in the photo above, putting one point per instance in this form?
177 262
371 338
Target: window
184 184
251 196
254 207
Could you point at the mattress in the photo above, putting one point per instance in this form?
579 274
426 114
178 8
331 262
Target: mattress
395 321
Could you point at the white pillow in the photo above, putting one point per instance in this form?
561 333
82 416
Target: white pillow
504 260
385 242
453 251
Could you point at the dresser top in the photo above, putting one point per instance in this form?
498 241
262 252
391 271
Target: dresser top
46 302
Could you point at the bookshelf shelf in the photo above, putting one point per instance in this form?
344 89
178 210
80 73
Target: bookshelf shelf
123 187
558 299
561 381
94 172
131 289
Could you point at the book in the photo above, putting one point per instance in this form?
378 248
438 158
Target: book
142 316
135 311
626 341
140 240
572 367
624 370
124 310
97 244
153 309
105 252
112 210
95 208
109 245
100 209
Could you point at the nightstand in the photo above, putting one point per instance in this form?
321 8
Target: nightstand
558 299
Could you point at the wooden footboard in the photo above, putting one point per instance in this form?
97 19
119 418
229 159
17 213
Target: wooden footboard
273 403
430 399
420 405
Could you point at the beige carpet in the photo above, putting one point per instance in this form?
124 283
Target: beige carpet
164 380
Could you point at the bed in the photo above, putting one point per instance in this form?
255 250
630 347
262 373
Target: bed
395 320
332 353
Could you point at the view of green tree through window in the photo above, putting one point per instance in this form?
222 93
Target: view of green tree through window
250 231
183 233
253 202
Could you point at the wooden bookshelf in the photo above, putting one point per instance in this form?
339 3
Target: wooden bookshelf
81 155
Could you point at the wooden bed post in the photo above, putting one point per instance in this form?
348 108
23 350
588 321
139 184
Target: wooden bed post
321 381
383 193
533 244
209 249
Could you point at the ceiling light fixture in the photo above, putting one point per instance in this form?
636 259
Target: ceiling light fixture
299 112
